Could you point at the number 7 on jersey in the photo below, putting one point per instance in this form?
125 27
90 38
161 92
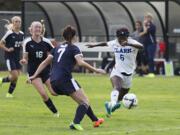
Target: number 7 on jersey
60 51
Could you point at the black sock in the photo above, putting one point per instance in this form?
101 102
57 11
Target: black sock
80 112
5 79
12 87
91 114
50 105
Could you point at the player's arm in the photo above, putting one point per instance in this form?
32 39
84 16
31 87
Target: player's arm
138 46
81 62
2 46
42 66
133 43
96 45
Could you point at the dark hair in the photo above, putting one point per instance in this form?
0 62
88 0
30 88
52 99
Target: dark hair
139 22
68 33
122 32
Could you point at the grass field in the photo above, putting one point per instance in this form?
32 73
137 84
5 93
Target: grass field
158 112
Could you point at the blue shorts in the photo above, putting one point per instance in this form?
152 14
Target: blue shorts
65 88
13 65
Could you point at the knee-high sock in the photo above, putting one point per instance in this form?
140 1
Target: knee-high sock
12 87
50 105
114 97
5 79
91 114
80 112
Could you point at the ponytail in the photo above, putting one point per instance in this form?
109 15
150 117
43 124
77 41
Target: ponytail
8 25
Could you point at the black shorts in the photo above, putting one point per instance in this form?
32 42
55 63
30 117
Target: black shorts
65 88
13 64
44 76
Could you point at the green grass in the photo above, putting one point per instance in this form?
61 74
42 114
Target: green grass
158 112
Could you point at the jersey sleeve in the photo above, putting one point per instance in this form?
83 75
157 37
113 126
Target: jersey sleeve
76 51
52 52
25 45
111 43
50 45
4 38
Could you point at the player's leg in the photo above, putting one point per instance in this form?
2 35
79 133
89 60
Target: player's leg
84 108
13 80
48 85
38 84
126 85
83 105
82 98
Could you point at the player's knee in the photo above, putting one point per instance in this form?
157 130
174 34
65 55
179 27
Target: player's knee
44 96
14 78
85 101
118 88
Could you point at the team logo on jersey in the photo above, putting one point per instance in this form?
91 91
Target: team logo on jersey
123 50
13 37
32 46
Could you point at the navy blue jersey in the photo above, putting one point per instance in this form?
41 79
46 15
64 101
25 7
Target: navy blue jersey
12 39
37 52
63 61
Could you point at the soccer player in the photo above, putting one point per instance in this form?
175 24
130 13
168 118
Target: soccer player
11 44
63 58
125 50
35 50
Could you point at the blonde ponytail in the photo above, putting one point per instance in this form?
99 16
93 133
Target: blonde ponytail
8 25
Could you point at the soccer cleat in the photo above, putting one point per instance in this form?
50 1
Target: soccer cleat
8 95
98 122
108 109
116 106
150 75
76 127
1 81
56 115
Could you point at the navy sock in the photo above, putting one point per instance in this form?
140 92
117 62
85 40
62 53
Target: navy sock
91 114
5 79
12 87
50 105
80 112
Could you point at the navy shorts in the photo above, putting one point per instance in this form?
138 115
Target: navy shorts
13 65
65 88
43 75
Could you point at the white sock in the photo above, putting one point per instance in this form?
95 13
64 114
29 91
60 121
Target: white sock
114 97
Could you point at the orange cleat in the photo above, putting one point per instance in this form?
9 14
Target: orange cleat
99 122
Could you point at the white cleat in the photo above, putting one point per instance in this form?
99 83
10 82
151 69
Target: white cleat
57 115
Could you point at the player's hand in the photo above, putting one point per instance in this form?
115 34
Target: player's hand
100 71
23 62
30 79
11 49
90 46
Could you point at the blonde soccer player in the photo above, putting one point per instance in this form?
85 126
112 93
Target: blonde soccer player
11 44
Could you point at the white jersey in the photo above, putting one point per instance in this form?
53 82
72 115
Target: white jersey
125 56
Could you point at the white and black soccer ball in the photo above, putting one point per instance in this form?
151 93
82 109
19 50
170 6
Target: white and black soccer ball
130 100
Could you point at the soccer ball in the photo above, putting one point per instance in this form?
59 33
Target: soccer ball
130 100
